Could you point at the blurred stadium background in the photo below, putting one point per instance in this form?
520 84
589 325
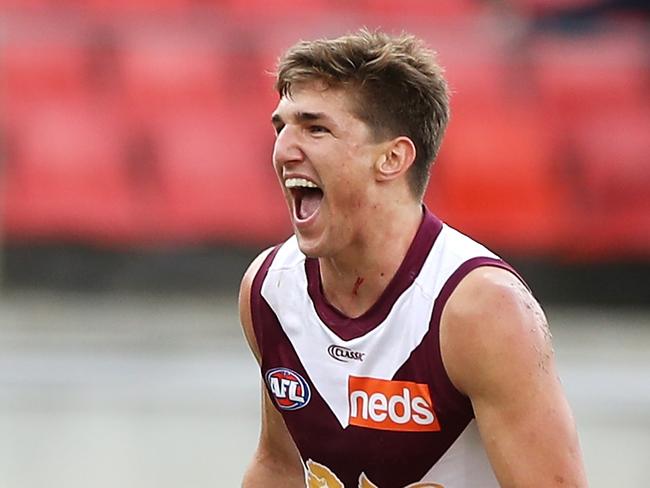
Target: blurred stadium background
136 184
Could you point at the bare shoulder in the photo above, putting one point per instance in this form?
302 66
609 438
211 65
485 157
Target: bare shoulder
496 347
245 316
491 323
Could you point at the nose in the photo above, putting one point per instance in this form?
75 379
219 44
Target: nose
287 147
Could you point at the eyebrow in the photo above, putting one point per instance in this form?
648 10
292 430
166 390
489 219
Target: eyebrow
310 116
277 121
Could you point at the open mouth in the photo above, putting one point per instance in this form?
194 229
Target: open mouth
307 197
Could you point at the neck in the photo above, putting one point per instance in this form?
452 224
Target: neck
354 279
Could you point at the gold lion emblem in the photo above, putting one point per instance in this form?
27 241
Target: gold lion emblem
319 476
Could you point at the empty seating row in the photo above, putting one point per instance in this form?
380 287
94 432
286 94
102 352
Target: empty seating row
131 137
251 8
574 76
81 173
86 172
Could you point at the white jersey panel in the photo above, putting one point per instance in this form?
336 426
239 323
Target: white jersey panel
387 346
465 464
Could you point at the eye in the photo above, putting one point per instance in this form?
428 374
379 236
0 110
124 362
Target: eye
318 129
278 128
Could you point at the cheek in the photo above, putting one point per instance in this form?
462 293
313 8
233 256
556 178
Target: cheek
356 175
349 179
350 193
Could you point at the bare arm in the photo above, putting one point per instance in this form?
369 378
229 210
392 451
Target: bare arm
276 461
497 349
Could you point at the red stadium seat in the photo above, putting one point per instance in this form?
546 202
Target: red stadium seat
421 9
477 64
217 177
496 179
35 68
579 75
26 6
612 206
168 71
68 178
125 8
534 7
102 10
263 9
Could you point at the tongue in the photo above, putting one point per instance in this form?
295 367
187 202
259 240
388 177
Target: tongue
309 204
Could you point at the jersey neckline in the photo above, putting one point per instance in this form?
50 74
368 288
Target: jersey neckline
348 328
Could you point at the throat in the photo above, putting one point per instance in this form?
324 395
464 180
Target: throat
352 298
357 285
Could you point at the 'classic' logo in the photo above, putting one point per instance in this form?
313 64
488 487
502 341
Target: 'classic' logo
289 389
345 354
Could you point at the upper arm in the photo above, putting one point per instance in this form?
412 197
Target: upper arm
276 461
245 314
496 347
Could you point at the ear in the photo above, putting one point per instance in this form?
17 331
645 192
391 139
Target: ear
396 159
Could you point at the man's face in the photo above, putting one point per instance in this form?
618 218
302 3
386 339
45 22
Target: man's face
324 157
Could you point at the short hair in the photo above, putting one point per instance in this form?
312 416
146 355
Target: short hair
398 86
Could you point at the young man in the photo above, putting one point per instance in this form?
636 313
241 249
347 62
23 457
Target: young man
394 350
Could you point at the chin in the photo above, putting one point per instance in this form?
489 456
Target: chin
311 248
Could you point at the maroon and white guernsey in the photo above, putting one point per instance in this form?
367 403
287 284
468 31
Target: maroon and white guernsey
367 400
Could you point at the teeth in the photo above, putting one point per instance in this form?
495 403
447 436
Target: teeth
299 183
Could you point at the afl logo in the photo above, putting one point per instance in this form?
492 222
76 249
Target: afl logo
290 390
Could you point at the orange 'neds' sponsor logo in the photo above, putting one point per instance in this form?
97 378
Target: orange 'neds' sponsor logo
391 405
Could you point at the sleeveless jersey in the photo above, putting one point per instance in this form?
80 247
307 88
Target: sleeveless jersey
367 400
